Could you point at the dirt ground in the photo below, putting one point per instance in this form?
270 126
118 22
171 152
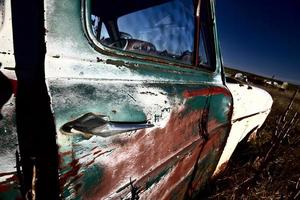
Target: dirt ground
253 173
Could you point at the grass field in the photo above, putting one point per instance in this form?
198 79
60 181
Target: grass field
269 166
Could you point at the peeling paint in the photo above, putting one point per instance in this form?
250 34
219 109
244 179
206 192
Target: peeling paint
251 108
191 110
155 157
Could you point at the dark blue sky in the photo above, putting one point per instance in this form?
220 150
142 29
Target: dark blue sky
261 36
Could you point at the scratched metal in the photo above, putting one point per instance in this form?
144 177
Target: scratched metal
158 160
190 109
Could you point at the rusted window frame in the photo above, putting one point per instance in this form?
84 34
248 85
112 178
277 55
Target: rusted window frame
211 41
110 51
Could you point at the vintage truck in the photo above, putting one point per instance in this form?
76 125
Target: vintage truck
139 105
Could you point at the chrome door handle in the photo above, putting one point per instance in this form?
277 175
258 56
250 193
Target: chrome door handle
93 124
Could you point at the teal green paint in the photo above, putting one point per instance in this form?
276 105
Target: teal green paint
69 193
65 25
66 193
12 194
66 159
196 103
219 108
156 179
92 177
65 170
167 72
205 169
79 99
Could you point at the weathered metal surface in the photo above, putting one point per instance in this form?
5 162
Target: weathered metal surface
8 147
154 158
162 162
191 111
251 108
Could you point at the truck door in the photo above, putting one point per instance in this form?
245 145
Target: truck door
137 114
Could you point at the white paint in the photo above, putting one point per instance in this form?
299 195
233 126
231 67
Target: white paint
248 101
67 67
6 40
155 102
245 102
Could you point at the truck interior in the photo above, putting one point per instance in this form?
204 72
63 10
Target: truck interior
107 14
169 23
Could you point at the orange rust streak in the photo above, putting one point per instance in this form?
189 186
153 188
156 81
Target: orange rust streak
212 143
96 152
206 92
193 93
219 90
62 154
75 166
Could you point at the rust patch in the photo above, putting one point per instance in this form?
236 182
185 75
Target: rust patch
206 92
72 173
252 136
221 169
118 63
14 85
173 147
179 173
9 183
74 167
158 159
151 152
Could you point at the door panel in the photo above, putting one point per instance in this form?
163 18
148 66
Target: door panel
161 158
162 154
190 110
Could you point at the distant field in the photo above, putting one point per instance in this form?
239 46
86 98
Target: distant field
279 176
256 79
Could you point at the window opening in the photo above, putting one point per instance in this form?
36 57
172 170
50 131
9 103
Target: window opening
159 28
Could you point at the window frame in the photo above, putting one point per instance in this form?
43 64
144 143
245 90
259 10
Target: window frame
111 51
211 56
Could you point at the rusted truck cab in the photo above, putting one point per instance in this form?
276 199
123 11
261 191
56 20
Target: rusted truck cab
138 95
